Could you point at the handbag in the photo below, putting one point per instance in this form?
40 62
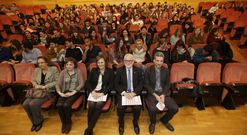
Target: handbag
36 93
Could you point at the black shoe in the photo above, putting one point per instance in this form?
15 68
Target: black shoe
63 128
38 127
137 129
169 127
151 128
67 129
33 128
121 130
87 132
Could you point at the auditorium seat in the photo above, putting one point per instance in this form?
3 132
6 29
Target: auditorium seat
234 77
80 102
48 104
182 92
18 37
42 48
209 77
23 80
6 75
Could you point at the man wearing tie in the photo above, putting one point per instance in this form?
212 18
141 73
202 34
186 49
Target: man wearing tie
157 83
128 83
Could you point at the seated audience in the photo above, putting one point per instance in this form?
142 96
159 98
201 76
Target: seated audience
180 53
205 54
30 54
73 51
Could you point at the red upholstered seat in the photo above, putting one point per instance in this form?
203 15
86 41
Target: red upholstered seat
77 103
48 103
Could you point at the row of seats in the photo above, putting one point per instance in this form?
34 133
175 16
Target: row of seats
208 74
232 21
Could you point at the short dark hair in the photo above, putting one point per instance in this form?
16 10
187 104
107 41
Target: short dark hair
208 48
50 40
70 59
144 27
68 39
27 44
88 37
159 54
88 20
44 58
16 43
105 21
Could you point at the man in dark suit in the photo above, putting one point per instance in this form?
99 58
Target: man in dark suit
157 83
128 83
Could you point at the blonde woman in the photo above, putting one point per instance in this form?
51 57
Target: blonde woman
139 51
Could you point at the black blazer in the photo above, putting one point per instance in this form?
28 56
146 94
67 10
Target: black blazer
121 80
107 80
150 80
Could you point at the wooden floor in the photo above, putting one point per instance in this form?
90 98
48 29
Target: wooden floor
189 121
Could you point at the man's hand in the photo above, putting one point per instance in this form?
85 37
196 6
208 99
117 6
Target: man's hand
162 98
127 95
132 94
157 97
209 58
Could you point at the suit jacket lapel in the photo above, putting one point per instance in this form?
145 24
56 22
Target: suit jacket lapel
162 77
38 77
125 75
48 74
134 77
153 74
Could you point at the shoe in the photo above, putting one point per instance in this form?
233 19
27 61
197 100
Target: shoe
38 127
87 132
67 129
33 128
169 127
121 130
137 129
151 128
63 128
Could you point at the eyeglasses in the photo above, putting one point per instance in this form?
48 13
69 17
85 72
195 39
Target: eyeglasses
128 60
41 62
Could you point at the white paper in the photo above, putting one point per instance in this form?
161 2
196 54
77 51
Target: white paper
134 101
99 99
161 106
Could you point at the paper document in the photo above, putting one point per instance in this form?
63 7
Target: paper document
134 101
161 106
99 99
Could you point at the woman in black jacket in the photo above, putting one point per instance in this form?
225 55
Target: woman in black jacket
100 83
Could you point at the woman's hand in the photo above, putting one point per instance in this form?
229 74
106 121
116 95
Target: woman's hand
96 95
70 94
38 86
61 94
